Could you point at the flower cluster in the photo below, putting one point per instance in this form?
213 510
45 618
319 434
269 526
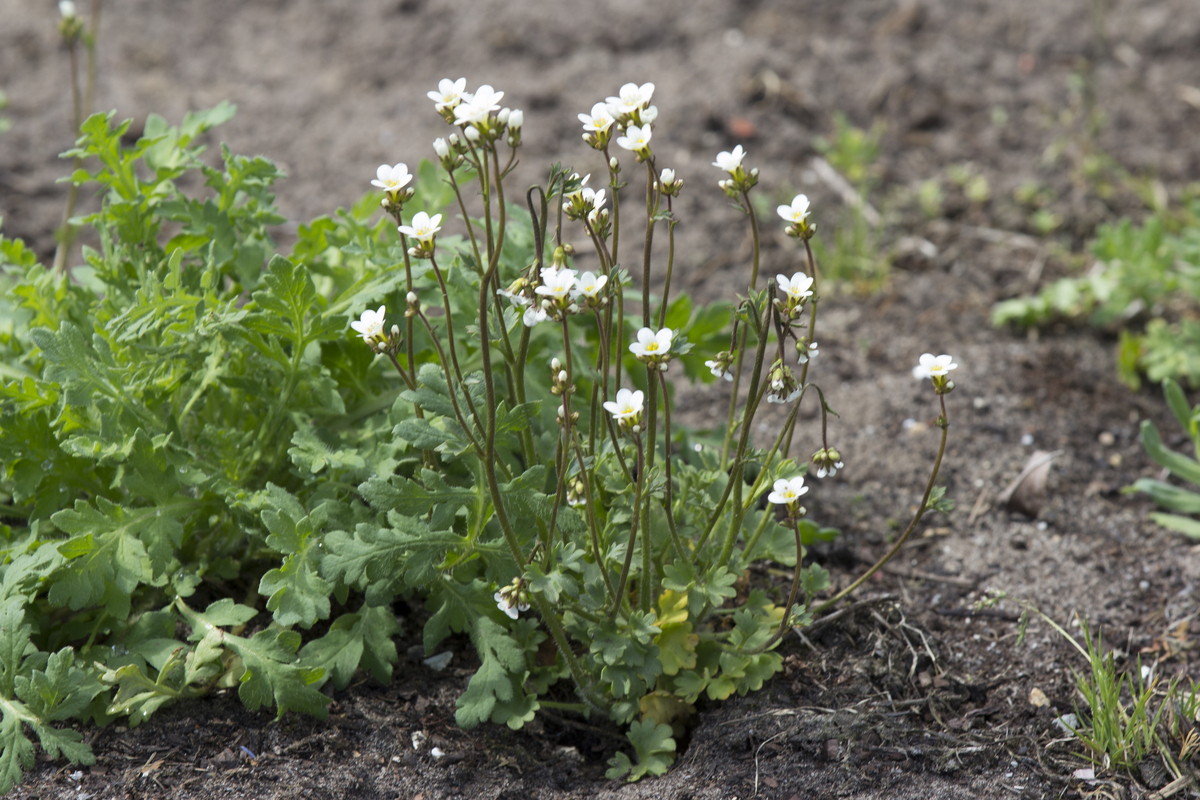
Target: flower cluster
586 202
512 599
784 387
720 365
653 347
937 368
827 461
478 114
559 292
629 113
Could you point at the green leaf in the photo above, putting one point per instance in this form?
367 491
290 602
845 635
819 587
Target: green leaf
1184 525
1172 498
295 593
1186 468
314 450
496 690
358 639
655 750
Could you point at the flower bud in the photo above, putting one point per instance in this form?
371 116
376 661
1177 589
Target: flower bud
668 176
555 365
562 375
502 117
440 147
649 115
613 164
66 9
453 140
516 119
411 297
472 133
395 330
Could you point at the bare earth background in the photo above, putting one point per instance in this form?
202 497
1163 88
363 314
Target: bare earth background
332 89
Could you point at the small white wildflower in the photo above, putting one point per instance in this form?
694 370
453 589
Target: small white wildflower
797 288
652 345
371 324
449 93
423 226
392 179
66 9
636 139
797 212
627 406
630 98
589 284
730 161
600 120
556 283
933 367
788 492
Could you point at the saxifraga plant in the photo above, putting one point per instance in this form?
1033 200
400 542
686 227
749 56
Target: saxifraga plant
180 428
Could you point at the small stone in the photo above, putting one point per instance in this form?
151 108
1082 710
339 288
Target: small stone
1106 438
1038 699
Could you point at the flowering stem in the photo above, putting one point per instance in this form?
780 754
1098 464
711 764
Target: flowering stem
662 309
592 524
407 380
450 390
753 540
450 340
668 503
564 645
408 321
741 351
649 244
937 465
467 219
633 528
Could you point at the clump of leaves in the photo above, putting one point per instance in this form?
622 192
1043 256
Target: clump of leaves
1145 272
1183 502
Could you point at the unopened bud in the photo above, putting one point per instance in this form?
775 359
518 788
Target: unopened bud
66 8
395 330
516 119
411 297
440 147
472 133
502 117
453 140
649 115
555 364
613 163
562 375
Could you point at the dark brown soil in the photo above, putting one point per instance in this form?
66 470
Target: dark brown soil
913 697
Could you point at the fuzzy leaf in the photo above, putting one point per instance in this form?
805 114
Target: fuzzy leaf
655 750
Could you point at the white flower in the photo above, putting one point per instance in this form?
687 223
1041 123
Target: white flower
449 93
829 469
600 120
440 147
627 405
788 492
533 315
797 212
593 197
392 179
803 356
719 369
652 345
423 226
635 138
556 283
506 605
371 324
649 115
933 367
667 177
797 288
631 97
589 284
67 9
730 161
475 108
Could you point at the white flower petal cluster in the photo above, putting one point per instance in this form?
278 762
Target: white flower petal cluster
804 354
509 604
636 138
423 227
370 325
931 366
599 121
797 288
475 108
651 345
730 161
556 283
797 212
449 93
392 179
631 98
788 492
627 406
589 285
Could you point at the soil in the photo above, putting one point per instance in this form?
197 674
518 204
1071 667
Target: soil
913 695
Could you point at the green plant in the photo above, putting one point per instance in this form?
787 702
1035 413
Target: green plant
180 427
1140 271
854 256
1166 495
